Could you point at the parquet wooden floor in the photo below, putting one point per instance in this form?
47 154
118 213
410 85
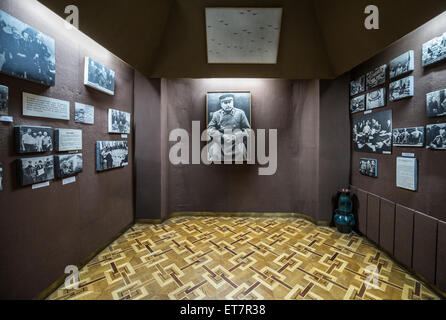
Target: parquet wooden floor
242 258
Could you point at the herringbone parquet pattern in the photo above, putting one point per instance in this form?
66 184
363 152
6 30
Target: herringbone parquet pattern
242 258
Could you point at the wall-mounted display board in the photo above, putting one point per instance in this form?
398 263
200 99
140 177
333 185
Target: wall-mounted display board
357 86
368 167
376 99
119 121
357 104
1 176
83 113
99 77
373 133
434 50
31 139
27 53
226 113
436 103
4 99
408 137
44 107
376 77
405 63
68 139
35 170
111 154
243 35
436 136
67 165
401 89
407 173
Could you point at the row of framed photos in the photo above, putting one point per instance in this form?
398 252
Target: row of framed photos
406 171
31 55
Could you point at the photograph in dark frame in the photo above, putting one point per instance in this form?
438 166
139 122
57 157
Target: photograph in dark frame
376 99
35 170
111 154
436 104
436 136
67 165
376 77
357 86
434 50
368 167
401 89
99 77
4 100
119 121
27 53
31 139
408 137
402 65
372 133
357 104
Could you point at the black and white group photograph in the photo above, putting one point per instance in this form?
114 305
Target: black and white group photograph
30 139
434 50
373 133
401 89
408 137
111 154
376 99
436 136
118 121
83 113
4 99
357 86
376 77
436 103
25 52
402 65
228 112
35 170
368 167
1 176
99 77
67 165
357 104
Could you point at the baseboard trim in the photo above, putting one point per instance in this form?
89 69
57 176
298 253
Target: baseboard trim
234 215
56 284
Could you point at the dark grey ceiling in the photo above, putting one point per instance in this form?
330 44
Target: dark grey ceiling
319 39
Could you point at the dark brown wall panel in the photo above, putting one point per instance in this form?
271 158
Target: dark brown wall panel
361 196
441 256
373 207
387 225
404 222
43 231
425 246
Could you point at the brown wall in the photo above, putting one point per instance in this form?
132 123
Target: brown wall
45 230
292 107
405 223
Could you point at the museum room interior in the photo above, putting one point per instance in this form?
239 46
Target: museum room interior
223 150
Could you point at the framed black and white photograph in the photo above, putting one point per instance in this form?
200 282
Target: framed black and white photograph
436 136
403 64
26 52
4 99
357 86
35 170
228 124
1 176
67 165
368 167
434 50
408 137
83 113
376 77
118 121
68 139
436 103
373 133
401 89
111 154
99 77
407 173
30 139
357 104
376 99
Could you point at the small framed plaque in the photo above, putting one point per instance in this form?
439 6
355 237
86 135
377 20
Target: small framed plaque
407 173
